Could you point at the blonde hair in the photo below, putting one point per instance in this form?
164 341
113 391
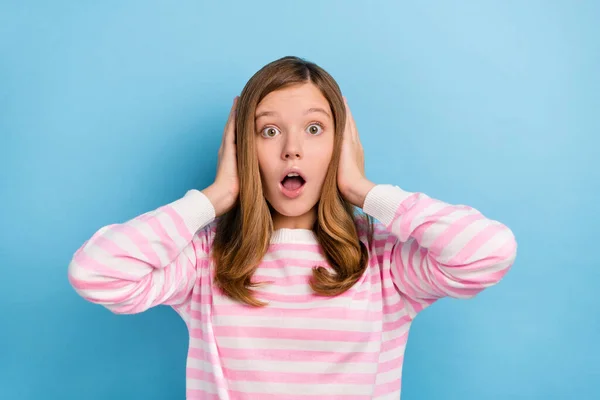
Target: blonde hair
243 234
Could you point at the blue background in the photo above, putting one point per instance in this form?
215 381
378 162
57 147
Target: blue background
110 109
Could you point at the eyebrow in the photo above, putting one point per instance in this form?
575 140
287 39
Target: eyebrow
310 110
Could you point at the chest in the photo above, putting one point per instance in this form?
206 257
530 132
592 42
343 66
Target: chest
296 322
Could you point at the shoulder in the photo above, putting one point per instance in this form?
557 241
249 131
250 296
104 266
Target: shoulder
371 232
205 236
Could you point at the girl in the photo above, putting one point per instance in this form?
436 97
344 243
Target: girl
287 289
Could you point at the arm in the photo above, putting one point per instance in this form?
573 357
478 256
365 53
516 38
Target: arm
439 249
147 261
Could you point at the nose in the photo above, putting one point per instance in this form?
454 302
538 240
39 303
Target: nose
292 148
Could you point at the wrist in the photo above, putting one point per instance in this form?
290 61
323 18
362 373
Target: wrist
358 192
219 198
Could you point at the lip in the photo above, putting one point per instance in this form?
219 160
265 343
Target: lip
289 171
292 194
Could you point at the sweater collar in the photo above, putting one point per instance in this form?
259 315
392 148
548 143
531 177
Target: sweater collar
289 235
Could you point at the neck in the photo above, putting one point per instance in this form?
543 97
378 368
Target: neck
304 221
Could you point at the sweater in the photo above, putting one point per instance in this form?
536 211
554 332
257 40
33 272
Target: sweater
301 345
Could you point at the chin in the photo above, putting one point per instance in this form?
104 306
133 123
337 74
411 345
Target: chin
291 208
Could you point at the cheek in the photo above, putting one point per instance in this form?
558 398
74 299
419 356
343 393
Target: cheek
320 160
265 165
324 152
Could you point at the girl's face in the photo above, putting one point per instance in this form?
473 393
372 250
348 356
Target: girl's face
295 131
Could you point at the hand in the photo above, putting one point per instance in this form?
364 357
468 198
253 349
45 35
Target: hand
224 191
351 179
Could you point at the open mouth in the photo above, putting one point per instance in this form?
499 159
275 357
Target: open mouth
292 184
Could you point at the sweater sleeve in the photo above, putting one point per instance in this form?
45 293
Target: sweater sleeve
149 260
437 249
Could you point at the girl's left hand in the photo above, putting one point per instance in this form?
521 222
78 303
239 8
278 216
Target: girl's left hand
351 179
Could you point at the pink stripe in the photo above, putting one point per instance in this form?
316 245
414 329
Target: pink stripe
237 395
388 388
317 378
390 326
259 354
506 251
480 239
290 262
410 202
278 312
419 305
321 335
141 242
406 217
200 375
83 260
427 220
444 239
109 246
283 281
403 274
449 284
133 304
428 267
202 297
167 242
94 285
395 304
168 282
179 223
308 298
195 394
287 247
395 343
499 256
391 365
182 274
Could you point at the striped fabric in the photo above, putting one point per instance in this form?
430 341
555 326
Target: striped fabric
301 346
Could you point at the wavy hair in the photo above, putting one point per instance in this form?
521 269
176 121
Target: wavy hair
243 233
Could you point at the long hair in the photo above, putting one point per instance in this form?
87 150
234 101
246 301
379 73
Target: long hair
243 234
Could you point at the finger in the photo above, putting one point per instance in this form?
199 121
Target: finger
229 134
352 124
348 125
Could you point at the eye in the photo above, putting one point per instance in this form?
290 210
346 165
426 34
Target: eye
315 129
269 132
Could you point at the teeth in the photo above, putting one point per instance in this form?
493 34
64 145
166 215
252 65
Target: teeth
292 174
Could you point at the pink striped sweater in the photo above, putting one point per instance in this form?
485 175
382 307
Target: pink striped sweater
300 346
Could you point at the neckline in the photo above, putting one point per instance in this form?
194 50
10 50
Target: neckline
293 235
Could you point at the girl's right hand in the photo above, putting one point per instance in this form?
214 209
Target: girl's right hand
224 191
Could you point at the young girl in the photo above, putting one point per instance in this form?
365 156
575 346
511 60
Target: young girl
288 290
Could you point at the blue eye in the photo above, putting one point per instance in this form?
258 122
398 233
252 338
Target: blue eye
315 129
270 132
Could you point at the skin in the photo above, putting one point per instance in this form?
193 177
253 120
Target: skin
294 128
288 136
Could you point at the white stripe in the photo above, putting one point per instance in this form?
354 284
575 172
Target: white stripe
325 389
500 239
459 241
304 255
426 213
195 384
123 241
265 366
291 344
393 353
341 325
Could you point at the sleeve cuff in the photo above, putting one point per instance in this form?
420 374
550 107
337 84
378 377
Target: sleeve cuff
195 209
383 201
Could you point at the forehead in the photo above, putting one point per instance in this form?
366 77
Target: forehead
297 98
